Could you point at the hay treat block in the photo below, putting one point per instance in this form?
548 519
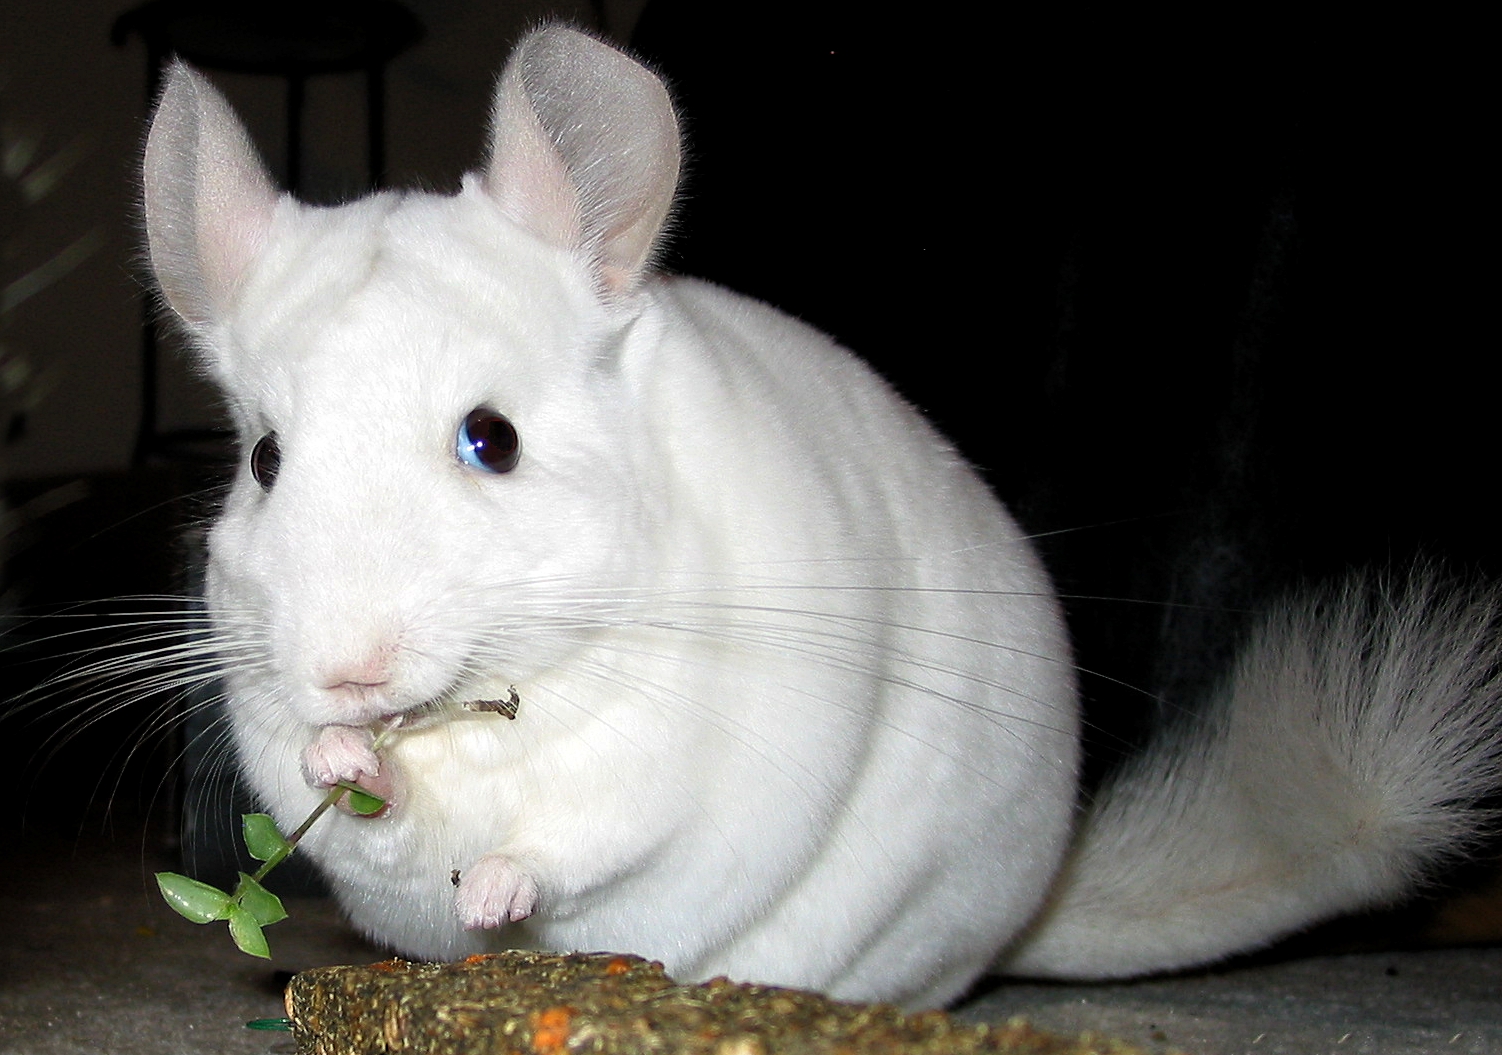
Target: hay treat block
544 1004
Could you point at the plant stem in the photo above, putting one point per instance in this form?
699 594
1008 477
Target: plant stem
336 792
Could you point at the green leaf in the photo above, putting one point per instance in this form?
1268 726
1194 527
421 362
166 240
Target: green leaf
247 933
275 1025
362 801
262 838
264 906
193 900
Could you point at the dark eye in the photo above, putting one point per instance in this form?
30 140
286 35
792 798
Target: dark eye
265 460
488 441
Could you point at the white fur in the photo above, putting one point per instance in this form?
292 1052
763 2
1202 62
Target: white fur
1345 759
796 701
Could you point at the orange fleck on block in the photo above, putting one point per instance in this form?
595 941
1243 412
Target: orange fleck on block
550 1029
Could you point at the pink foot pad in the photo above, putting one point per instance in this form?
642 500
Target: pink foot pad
494 891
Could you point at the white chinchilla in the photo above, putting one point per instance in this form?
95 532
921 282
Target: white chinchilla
795 700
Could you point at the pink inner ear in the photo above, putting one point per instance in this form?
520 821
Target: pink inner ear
527 176
235 215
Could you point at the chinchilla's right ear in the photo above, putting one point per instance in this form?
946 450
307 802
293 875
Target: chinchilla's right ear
208 198
584 151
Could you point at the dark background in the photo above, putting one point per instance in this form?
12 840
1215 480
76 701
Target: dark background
1208 301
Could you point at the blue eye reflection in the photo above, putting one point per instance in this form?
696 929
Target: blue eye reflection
488 442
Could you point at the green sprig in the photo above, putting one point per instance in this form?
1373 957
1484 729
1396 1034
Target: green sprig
250 907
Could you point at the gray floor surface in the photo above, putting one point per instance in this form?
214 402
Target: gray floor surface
92 963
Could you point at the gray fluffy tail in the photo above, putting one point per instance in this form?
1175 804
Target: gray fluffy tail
1348 759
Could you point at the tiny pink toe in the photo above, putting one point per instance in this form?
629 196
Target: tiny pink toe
524 903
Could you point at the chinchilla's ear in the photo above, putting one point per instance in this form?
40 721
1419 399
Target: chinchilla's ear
584 151
208 198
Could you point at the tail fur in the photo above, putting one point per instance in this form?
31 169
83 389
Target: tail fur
1349 756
